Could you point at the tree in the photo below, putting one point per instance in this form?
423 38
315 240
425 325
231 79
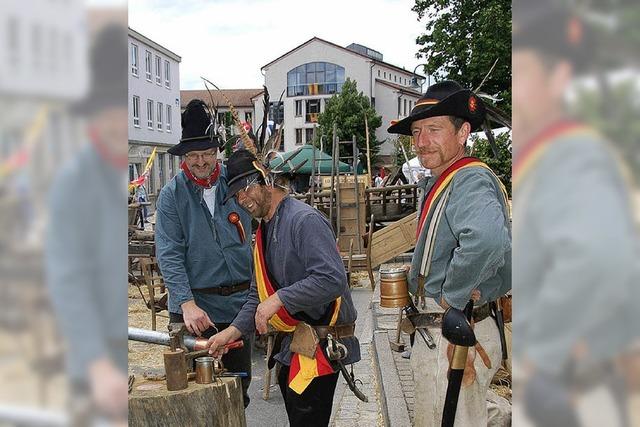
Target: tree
502 165
463 39
347 109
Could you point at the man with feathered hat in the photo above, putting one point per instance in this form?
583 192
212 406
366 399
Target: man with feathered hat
463 249
203 245
300 289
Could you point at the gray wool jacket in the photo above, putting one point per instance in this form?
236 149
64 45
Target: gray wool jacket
303 259
473 242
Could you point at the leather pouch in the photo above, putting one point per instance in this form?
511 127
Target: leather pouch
305 340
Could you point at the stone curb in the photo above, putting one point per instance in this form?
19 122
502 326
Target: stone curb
394 407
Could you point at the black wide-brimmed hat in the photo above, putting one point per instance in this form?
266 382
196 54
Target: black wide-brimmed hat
242 169
552 28
446 98
198 130
107 63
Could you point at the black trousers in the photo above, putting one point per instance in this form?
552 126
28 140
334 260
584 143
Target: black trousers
238 360
312 408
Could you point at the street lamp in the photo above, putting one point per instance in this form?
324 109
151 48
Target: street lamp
417 82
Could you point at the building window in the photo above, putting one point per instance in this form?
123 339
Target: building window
276 112
149 114
395 78
36 45
399 106
309 132
313 109
172 165
248 117
168 118
299 108
136 111
167 74
378 73
315 78
159 116
385 74
405 106
161 173
147 64
53 50
134 59
298 136
158 70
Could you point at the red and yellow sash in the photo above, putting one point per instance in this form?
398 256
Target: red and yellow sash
443 181
303 369
534 149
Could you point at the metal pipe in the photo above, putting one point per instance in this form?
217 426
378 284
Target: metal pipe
162 338
32 416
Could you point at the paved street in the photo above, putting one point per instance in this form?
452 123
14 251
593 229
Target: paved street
347 409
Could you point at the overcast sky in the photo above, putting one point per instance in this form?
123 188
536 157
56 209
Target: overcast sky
228 41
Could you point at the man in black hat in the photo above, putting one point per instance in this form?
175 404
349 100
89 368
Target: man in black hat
203 245
85 266
300 289
575 230
463 246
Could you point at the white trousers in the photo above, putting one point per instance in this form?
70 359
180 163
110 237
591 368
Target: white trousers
430 377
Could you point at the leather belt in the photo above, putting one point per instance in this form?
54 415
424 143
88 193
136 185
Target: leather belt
433 319
482 312
223 290
337 331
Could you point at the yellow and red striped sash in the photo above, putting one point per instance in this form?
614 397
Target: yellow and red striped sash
303 369
533 150
443 182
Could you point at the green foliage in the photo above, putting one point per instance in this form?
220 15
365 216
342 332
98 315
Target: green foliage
347 109
463 38
403 141
613 110
502 165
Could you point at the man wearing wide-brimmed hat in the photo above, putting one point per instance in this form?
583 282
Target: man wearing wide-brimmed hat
84 241
300 289
203 245
463 248
575 228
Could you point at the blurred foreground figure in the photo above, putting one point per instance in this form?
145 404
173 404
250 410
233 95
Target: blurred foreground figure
86 241
574 235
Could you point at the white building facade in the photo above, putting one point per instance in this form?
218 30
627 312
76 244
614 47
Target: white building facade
316 70
154 110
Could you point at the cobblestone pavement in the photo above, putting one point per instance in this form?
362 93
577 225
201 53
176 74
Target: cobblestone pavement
403 366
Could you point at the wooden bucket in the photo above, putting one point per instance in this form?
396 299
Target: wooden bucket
393 288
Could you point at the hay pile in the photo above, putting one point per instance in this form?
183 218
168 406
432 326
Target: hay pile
143 356
501 384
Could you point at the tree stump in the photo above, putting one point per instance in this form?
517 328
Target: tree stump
218 404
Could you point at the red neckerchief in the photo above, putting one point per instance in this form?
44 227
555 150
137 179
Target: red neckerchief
118 162
202 182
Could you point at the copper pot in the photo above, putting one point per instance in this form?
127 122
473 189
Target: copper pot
204 370
393 288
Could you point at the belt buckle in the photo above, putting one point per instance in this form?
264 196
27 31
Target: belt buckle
225 291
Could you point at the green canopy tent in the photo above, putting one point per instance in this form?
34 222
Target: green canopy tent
322 167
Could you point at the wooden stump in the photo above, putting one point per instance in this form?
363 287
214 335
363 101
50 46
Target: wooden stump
218 404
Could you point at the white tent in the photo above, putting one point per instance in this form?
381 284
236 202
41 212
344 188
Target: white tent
413 170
